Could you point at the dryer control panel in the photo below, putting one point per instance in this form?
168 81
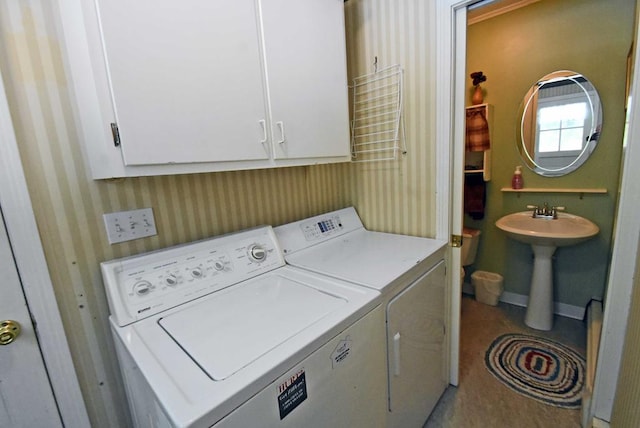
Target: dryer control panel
314 229
144 285
311 231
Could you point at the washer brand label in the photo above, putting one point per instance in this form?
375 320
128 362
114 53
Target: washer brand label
291 393
342 351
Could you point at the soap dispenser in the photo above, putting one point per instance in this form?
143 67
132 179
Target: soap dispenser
517 182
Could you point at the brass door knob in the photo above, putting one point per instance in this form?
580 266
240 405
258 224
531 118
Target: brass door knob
9 331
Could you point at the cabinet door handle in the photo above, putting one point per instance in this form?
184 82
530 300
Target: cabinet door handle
396 354
280 125
263 124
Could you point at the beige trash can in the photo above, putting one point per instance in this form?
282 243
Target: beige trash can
488 286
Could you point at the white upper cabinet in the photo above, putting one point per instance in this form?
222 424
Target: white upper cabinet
305 57
171 87
186 79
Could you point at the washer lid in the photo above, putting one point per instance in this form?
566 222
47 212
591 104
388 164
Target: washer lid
229 331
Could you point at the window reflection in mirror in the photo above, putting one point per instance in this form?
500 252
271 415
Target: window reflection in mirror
558 132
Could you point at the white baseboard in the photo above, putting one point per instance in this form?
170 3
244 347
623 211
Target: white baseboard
515 299
562 309
599 423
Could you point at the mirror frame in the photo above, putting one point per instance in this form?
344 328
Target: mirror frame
527 117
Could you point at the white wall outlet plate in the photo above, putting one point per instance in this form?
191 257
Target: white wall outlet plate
128 225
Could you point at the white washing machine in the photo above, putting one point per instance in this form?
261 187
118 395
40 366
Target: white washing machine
221 333
410 274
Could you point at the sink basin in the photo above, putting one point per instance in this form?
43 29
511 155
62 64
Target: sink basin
544 235
567 229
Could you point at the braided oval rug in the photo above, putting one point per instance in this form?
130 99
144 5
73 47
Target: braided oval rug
538 368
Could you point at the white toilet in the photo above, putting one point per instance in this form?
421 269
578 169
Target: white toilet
470 239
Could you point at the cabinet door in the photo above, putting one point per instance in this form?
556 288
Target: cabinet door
416 347
186 79
307 75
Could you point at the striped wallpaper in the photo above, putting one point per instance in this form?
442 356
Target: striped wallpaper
393 196
398 196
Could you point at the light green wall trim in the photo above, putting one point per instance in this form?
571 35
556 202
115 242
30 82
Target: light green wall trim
514 50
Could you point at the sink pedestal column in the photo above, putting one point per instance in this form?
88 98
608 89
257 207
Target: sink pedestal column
540 306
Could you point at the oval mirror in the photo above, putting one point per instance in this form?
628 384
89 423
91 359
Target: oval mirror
561 122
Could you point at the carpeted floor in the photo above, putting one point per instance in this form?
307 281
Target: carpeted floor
480 400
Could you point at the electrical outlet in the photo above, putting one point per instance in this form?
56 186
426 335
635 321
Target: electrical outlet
128 225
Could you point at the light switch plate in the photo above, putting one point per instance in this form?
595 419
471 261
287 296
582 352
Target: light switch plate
128 225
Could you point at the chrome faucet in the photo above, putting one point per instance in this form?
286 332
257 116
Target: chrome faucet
544 211
554 211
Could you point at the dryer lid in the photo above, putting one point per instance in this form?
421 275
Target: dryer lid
371 259
232 329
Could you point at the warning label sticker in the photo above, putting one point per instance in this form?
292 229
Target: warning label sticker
291 393
342 351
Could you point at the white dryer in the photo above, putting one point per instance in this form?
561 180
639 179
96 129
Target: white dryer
410 273
221 333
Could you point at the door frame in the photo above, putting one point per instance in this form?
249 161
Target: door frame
624 258
451 52
34 275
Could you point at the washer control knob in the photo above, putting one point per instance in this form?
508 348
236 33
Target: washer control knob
218 265
196 273
142 288
257 253
171 280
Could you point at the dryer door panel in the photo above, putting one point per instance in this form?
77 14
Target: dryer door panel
416 349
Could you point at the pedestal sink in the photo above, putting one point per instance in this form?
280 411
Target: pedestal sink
545 234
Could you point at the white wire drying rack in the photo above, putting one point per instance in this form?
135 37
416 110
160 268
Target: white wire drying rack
377 127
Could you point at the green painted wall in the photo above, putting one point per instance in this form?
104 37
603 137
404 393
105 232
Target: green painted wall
592 37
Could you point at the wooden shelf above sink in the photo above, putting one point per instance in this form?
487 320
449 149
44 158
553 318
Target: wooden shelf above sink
581 192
